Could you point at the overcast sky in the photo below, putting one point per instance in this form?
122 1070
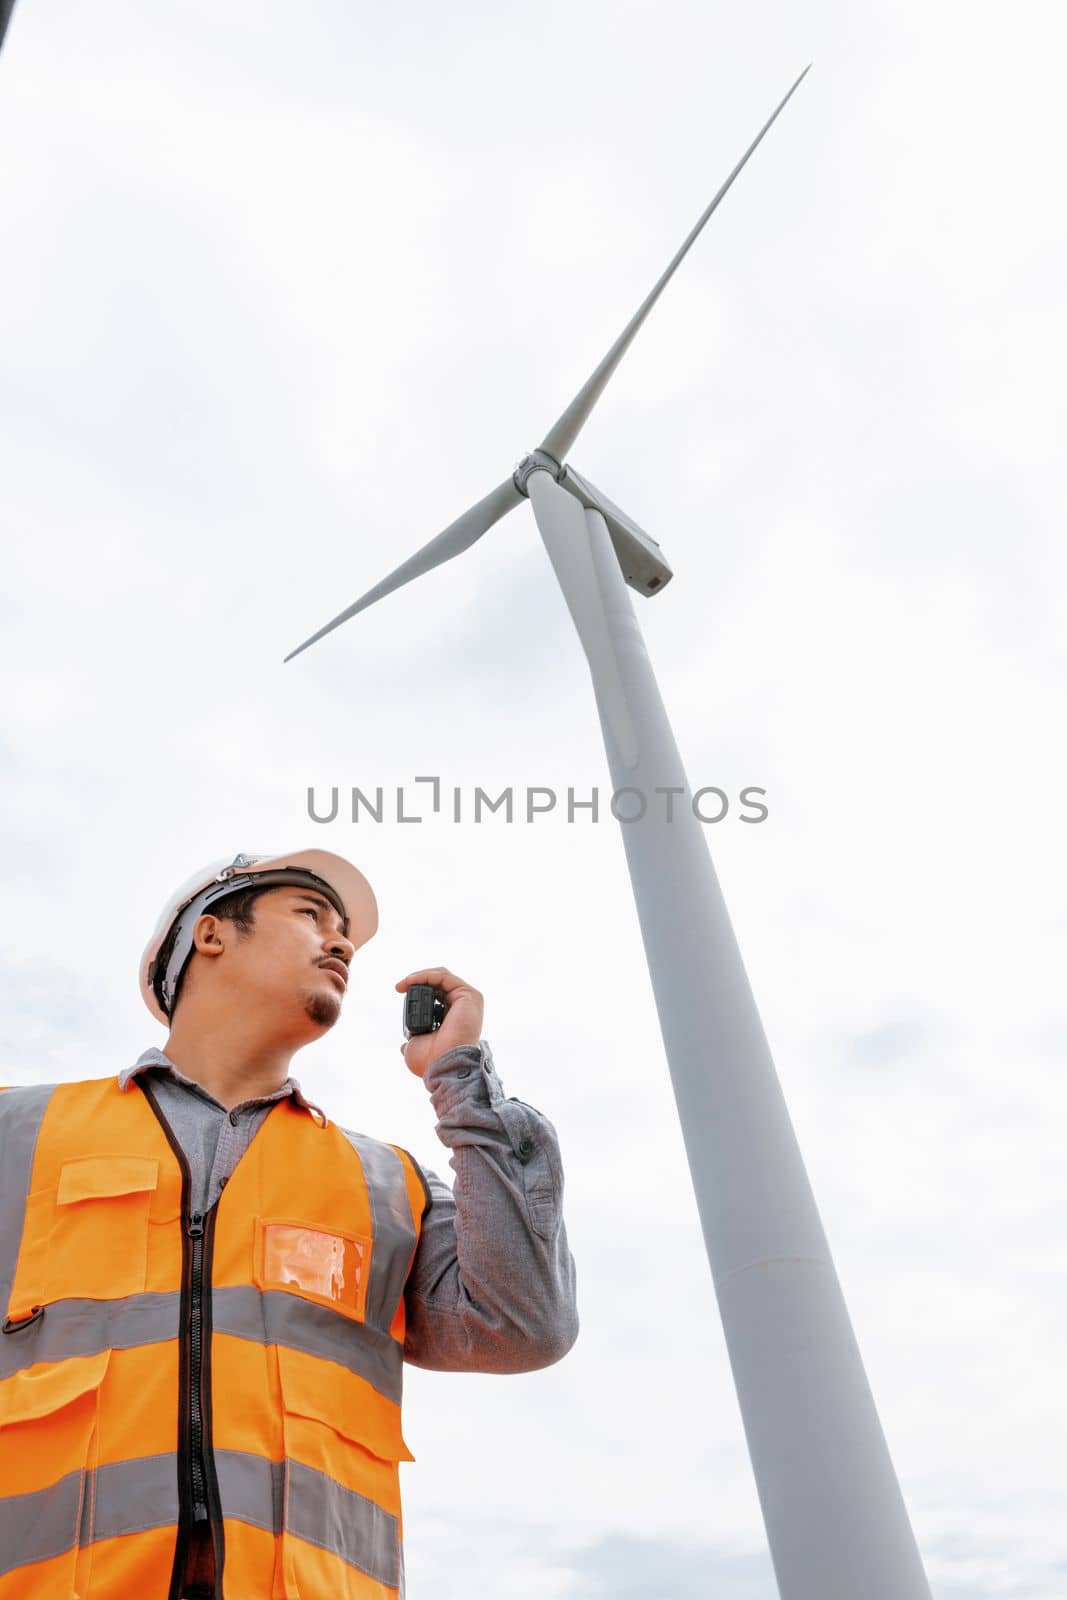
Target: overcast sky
286 288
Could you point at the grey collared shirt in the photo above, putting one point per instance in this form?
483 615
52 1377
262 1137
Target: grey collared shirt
492 1285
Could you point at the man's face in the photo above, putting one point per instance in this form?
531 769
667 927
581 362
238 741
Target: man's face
294 961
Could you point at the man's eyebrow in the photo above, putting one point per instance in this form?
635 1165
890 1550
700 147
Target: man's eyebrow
321 900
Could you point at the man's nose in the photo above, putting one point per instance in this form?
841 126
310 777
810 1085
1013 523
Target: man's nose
338 945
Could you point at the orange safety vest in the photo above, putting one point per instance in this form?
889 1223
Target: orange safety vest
244 1368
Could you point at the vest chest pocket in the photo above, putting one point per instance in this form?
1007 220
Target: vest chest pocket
48 1426
88 1237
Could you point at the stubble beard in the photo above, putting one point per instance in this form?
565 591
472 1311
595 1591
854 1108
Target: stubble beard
322 1009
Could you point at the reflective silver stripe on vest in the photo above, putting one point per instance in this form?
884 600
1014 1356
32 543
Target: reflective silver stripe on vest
312 1506
121 1497
85 1327
131 1497
394 1234
270 1316
126 1497
40 1525
251 1488
346 1524
21 1114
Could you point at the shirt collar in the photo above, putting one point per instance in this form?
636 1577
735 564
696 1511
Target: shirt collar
156 1058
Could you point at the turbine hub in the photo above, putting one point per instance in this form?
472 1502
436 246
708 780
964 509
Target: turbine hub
536 461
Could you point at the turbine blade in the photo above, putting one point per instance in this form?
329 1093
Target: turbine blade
562 434
457 537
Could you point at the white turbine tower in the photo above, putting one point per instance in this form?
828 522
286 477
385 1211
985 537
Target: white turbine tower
836 1521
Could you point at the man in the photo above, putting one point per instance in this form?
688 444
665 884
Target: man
210 1288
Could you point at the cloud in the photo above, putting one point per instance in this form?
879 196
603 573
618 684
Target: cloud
886 1043
51 1021
626 1567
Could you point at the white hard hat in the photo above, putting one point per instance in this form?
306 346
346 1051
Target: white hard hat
337 879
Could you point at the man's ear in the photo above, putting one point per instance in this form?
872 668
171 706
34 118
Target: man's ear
208 938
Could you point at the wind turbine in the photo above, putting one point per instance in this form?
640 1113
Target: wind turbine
836 1521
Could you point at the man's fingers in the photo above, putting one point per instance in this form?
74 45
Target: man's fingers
440 977
428 975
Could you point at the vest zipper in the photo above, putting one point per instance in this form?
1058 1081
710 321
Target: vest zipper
198 1477
198 1496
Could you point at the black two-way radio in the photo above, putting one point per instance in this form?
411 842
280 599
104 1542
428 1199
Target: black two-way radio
424 1009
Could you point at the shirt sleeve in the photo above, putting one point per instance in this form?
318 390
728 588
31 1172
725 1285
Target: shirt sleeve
492 1284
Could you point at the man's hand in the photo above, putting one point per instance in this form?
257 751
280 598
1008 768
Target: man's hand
462 1024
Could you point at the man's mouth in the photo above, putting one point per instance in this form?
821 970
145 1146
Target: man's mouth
338 969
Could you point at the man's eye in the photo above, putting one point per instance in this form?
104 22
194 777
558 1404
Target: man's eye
311 911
